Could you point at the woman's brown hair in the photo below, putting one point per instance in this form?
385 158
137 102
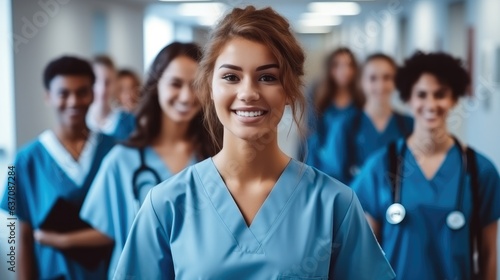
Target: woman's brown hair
149 113
328 87
264 26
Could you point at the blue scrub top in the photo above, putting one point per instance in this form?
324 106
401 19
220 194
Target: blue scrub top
422 246
113 190
319 151
357 139
40 184
309 227
126 124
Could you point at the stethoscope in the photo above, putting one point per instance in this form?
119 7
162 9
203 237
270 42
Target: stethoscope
136 187
396 213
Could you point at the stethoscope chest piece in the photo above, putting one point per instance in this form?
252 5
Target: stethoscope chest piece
455 220
395 213
354 170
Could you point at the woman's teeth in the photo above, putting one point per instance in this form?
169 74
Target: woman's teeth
249 113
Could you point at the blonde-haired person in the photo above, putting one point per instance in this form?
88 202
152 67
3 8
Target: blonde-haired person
251 212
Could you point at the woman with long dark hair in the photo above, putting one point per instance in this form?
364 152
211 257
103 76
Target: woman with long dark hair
169 137
374 125
335 97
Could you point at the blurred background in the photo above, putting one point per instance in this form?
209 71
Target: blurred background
33 32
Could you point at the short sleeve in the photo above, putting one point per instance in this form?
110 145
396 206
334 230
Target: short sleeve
146 254
356 253
15 199
366 185
105 191
489 191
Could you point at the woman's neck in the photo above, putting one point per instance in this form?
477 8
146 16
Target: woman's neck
430 142
378 109
171 132
342 98
250 161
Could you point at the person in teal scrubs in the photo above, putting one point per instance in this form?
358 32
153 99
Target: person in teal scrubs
370 128
251 212
334 98
428 198
169 138
104 116
53 175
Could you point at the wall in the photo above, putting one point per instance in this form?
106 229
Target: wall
484 111
7 131
64 27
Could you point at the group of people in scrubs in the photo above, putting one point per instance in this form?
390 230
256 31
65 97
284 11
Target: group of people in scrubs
190 183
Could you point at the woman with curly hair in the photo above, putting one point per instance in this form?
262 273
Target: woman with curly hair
432 201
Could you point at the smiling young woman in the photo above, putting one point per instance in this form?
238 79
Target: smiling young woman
444 197
251 212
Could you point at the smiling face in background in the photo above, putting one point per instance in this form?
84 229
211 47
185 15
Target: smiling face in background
105 83
246 90
430 102
175 90
70 96
128 92
377 80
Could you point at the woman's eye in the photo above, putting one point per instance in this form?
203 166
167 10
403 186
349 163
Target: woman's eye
230 78
176 85
421 94
440 94
267 78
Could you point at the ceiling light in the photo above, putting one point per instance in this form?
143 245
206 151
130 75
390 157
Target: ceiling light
313 29
335 8
320 22
202 9
318 15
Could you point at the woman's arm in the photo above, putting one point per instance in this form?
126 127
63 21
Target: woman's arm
27 266
489 251
80 238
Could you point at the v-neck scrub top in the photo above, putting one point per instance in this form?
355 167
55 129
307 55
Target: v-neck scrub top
358 138
110 206
320 150
309 227
48 174
422 246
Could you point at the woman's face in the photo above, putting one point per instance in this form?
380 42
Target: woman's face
246 90
175 90
430 102
377 80
128 92
342 70
105 82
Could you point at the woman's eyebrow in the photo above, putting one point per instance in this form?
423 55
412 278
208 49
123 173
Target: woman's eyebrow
260 68
267 66
237 68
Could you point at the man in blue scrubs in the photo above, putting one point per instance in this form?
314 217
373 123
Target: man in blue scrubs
53 174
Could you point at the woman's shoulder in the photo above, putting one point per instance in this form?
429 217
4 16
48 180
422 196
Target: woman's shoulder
485 166
122 152
326 186
185 182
